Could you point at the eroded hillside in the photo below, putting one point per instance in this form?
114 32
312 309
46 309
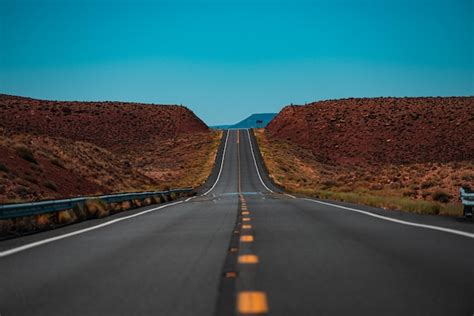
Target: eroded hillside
56 149
390 152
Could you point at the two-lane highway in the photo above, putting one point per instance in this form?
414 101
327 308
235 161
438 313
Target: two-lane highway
242 246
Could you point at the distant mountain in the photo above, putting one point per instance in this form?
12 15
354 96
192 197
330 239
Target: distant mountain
258 120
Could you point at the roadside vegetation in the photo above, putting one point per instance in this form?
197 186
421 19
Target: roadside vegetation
60 149
35 167
425 188
92 209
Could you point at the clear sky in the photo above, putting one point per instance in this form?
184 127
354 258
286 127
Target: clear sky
228 59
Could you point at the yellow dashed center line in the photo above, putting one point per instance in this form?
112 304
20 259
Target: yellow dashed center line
248 259
248 302
246 238
252 302
231 274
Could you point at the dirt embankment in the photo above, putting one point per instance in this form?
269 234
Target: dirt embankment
412 149
53 149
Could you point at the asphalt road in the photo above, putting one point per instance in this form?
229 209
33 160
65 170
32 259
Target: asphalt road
242 245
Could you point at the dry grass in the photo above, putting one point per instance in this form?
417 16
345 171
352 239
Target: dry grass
94 208
430 188
198 169
66 168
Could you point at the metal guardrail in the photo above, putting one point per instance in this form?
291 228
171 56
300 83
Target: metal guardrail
467 198
35 208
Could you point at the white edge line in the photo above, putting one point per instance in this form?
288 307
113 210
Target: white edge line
438 228
291 196
222 165
77 232
255 162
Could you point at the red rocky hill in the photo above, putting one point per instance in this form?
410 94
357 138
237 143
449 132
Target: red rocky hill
380 130
106 124
53 149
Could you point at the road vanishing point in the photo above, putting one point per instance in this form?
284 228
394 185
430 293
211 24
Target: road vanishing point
243 247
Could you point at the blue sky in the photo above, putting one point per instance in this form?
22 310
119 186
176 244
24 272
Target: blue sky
228 59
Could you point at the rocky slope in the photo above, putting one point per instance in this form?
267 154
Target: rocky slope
53 149
405 153
381 130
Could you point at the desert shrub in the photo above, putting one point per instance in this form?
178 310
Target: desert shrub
425 194
80 211
137 203
126 205
66 217
3 167
31 179
395 185
25 153
43 220
57 162
427 185
467 176
410 193
329 184
96 208
441 196
51 185
36 168
376 186
21 190
66 110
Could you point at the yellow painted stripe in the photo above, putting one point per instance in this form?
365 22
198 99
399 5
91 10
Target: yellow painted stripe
245 213
231 274
246 238
248 259
247 226
252 302
246 219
